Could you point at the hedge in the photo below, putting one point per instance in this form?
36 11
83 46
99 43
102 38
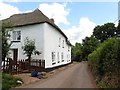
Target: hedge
105 63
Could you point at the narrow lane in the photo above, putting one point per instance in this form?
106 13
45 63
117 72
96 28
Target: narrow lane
80 78
77 76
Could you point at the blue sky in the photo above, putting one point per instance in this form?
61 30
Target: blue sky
77 19
98 12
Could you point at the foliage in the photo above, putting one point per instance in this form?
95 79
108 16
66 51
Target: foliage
105 62
88 46
76 52
29 48
105 31
102 50
81 51
9 81
6 27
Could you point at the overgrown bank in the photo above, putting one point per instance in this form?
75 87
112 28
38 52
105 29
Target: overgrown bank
8 81
102 51
105 64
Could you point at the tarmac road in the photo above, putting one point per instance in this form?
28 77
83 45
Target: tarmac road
77 76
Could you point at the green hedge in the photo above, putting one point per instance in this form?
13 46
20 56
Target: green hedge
105 63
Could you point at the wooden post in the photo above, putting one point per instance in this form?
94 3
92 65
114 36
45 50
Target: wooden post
29 61
10 65
40 65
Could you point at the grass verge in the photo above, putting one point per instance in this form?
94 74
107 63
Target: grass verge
8 81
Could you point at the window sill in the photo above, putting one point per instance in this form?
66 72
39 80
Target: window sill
53 63
15 41
62 60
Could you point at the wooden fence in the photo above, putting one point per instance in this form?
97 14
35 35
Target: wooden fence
23 66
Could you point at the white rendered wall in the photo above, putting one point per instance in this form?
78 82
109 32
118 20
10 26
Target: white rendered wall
52 36
34 32
46 40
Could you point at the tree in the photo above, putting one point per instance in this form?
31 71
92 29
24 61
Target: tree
6 28
29 48
89 44
105 31
76 52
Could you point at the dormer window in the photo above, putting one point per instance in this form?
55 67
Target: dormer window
16 35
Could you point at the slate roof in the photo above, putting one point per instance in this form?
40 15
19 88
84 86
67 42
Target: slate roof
35 17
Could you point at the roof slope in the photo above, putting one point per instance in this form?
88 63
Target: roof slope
27 18
30 18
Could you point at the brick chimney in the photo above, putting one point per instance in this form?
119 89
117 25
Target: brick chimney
52 20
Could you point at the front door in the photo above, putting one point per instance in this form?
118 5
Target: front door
15 55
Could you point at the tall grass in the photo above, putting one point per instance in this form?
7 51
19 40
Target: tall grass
8 81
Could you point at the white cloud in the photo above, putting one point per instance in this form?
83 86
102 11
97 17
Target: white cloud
77 33
56 11
59 13
10 0
7 10
28 11
116 23
15 0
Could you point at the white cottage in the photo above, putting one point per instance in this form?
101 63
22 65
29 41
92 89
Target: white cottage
49 39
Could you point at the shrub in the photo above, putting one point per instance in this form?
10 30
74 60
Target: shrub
105 62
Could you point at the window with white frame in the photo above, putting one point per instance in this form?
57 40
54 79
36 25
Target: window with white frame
53 56
67 57
68 48
62 56
16 35
63 44
59 41
58 57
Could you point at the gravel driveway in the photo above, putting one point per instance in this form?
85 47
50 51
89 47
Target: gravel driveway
77 76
